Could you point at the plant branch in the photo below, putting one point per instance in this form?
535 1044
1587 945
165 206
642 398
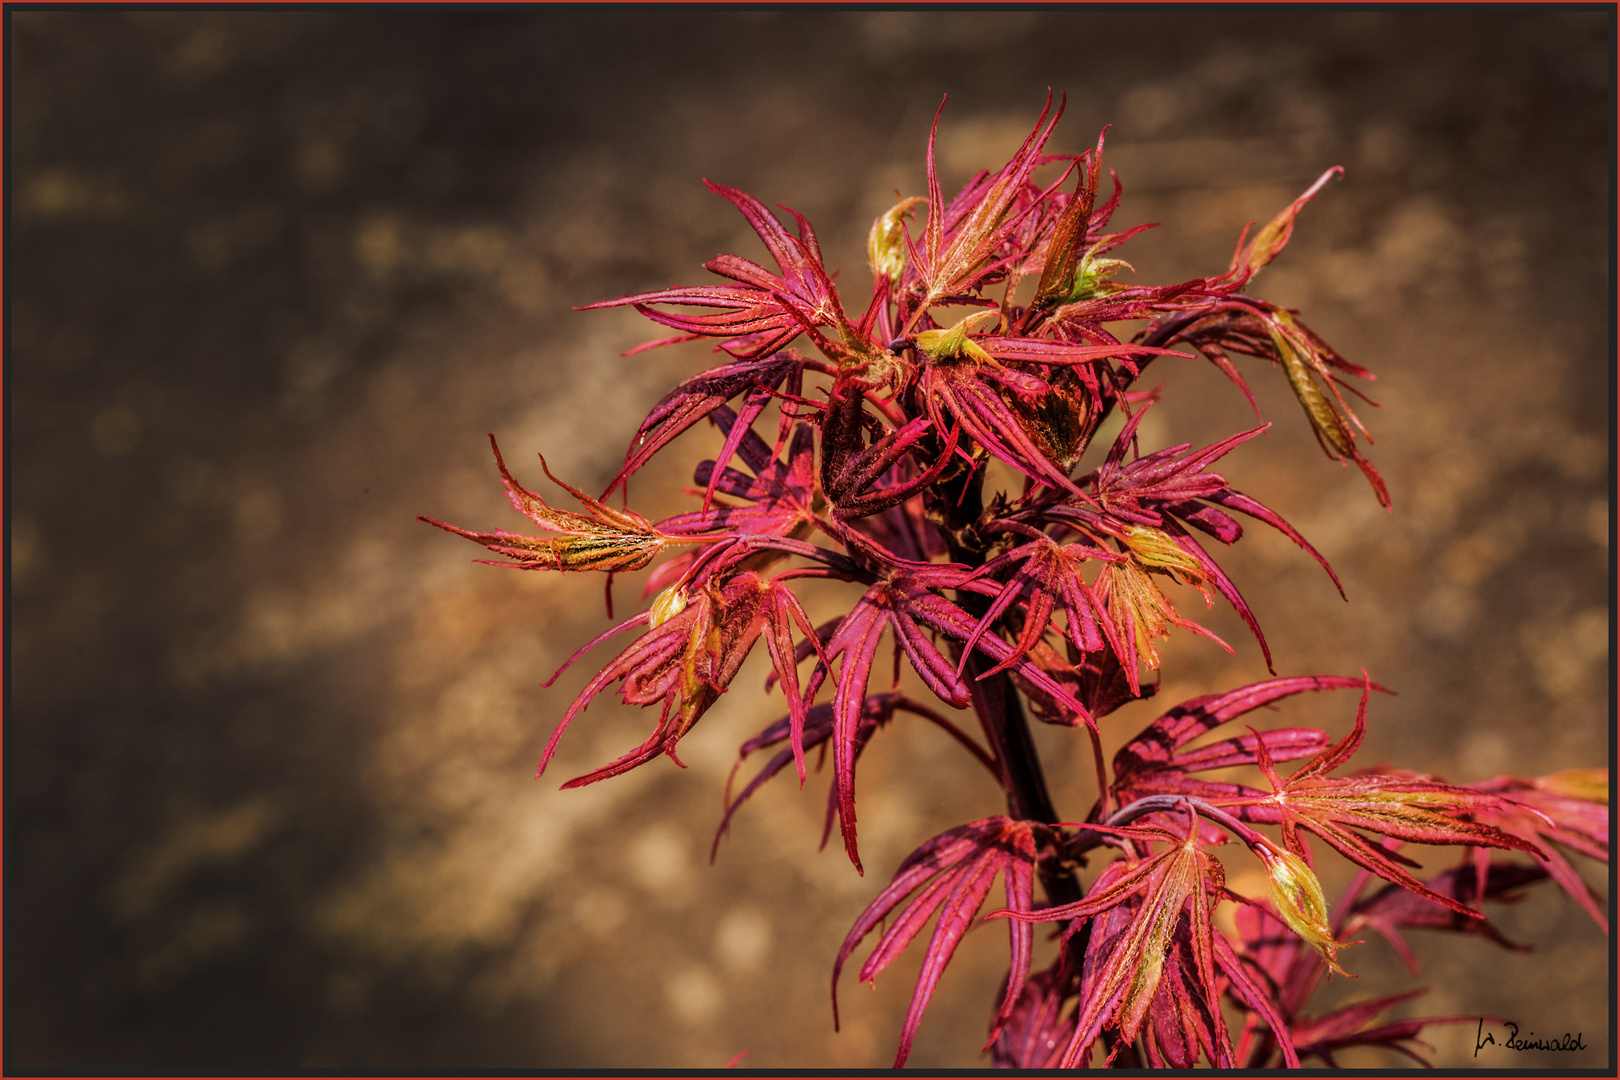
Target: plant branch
997 704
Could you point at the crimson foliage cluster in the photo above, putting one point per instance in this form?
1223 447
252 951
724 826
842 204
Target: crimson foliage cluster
999 330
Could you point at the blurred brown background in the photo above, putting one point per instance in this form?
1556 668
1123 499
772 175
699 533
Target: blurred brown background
270 742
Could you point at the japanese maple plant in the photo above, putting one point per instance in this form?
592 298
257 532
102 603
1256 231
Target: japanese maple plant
997 328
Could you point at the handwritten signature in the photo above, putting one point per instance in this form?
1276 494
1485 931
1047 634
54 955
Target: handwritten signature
1566 1041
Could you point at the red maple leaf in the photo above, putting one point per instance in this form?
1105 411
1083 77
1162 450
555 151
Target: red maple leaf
954 872
1410 808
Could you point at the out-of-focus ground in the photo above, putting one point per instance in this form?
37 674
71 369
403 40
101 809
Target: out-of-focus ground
270 743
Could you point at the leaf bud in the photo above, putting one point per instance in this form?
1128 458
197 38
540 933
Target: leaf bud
669 603
950 343
886 244
1297 896
1092 278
